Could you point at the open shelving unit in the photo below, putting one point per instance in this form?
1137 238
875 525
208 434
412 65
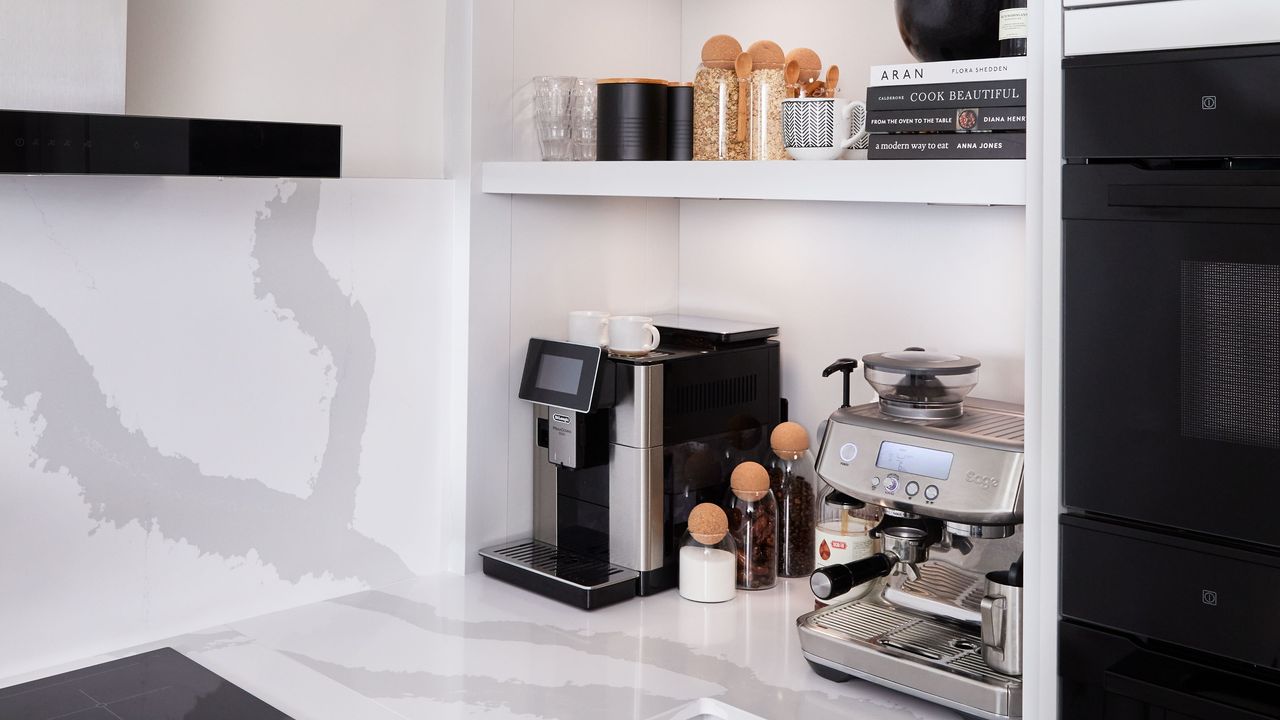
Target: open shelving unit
940 182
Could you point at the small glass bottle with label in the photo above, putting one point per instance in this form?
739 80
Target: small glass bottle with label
843 536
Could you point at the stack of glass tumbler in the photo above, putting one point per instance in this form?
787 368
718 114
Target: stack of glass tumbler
564 110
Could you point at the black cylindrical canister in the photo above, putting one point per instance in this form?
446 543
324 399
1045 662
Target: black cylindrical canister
632 121
680 121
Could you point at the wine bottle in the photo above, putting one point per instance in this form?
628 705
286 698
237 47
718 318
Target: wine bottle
1013 28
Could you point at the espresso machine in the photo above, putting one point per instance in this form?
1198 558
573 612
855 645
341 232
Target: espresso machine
625 447
943 621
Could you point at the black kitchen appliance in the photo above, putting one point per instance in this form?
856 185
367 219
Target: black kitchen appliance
625 447
158 685
1171 386
60 143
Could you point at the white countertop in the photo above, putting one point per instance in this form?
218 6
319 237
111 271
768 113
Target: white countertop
454 646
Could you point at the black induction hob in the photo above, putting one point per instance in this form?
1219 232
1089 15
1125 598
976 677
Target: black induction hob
158 685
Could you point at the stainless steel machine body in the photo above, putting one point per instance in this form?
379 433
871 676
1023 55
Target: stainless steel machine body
920 630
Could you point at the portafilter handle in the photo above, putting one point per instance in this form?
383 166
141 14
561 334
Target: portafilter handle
835 580
846 366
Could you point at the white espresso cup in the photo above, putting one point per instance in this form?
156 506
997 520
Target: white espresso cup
589 327
822 128
633 335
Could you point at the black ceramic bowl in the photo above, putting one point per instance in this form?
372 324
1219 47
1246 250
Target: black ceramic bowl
949 29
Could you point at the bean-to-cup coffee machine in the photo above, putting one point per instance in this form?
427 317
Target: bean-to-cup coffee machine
625 447
944 621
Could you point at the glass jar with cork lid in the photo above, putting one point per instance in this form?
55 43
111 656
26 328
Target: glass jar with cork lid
718 134
768 89
753 523
794 484
708 565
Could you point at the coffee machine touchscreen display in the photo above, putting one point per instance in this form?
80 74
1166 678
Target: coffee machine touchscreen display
915 460
564 375
559 374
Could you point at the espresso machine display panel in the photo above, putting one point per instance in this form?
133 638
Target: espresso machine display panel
566 375
917 460
943 621
625 447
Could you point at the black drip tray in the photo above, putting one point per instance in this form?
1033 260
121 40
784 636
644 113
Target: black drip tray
158 685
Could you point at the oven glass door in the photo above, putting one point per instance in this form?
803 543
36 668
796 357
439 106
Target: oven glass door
1171 374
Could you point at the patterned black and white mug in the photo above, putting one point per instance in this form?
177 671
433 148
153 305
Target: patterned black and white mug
822 128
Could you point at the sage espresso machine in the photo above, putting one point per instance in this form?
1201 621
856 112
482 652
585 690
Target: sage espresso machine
943 621
625 447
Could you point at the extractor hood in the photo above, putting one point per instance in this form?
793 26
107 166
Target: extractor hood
58 143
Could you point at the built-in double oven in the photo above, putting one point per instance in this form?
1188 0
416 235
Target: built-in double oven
1170 565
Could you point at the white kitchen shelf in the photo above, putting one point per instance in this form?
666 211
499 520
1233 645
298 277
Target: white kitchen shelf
942 182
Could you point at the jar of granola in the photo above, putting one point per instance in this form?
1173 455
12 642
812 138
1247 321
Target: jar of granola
715 103
768 89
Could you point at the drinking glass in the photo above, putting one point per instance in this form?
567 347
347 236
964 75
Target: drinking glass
583 119
551 115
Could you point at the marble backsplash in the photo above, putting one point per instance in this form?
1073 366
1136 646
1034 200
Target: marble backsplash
217 399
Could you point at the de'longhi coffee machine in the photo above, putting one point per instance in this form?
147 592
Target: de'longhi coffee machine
625 447
943 621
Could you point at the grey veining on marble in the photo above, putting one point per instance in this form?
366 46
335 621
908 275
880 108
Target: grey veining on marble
125 479
508 658
448 646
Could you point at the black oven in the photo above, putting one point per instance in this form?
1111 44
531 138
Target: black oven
1171 385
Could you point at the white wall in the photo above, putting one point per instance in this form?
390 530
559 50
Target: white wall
217 398
376 68
846 280
63 55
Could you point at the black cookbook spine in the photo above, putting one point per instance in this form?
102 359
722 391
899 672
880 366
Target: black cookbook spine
949 146
993 93
948 120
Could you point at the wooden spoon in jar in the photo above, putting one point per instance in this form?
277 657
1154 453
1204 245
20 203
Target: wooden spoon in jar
792 76
833 77
812 89
742 66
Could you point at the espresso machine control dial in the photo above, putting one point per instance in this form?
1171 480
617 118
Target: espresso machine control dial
891 484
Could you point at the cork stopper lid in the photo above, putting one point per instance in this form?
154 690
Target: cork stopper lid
719 51
789 440
708 523
808 61
766 54
749 481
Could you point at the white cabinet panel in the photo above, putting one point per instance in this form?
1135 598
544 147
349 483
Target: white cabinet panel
1169 24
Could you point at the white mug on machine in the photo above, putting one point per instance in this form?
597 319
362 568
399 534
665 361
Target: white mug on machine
633 335
589 327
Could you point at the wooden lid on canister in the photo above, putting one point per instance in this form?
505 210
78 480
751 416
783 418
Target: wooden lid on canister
789 440
749 481
766 54
630 81
720 51
708 524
